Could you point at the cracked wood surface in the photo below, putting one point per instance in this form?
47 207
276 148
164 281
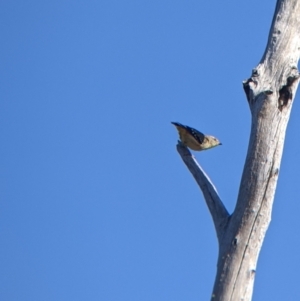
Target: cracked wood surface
270 92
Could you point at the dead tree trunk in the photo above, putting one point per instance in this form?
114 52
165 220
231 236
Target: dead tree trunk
270 92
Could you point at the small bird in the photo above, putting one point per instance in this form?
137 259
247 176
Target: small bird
194 139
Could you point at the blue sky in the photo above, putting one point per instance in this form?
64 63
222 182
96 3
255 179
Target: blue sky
96 204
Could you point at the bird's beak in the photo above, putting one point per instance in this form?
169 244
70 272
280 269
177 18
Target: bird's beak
220 143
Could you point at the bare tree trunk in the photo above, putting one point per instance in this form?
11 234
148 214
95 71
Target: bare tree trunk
270 93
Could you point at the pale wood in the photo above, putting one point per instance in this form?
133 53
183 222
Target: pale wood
217 209
270 93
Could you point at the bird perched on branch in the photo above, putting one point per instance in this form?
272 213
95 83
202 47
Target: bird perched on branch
194 139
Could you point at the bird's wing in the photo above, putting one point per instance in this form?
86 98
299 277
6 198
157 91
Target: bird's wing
177 124
196 134
184 129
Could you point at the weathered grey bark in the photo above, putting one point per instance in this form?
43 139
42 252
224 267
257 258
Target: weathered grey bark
270 93
217 209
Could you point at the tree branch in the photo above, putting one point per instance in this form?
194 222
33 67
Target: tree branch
217 209
270 93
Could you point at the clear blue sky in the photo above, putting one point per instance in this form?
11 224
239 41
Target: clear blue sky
96 204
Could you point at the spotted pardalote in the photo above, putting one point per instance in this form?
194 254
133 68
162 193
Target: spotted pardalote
194 139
